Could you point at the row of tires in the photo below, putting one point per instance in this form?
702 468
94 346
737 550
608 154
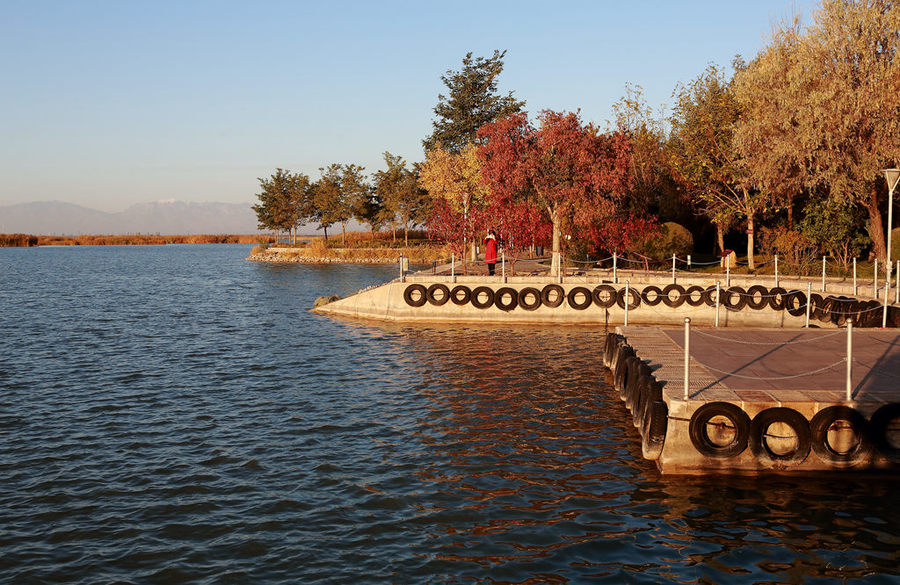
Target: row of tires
642 394
833 309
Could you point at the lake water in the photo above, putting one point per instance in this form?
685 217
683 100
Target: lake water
174 414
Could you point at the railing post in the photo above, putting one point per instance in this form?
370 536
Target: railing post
887 292
728 271
615 268
776 269
808 301
897 289
627 299
823 273
855 288
849 359
875 282
559 260
503 264
687 357
689 262
402 275
453 267
718 296
673 268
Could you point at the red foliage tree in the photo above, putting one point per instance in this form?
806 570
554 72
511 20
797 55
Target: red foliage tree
520 225
560 167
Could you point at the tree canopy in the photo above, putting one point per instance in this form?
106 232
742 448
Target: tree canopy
471 102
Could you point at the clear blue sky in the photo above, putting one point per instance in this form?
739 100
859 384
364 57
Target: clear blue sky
108 103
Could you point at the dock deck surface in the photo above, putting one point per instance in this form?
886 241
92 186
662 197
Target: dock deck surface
772 365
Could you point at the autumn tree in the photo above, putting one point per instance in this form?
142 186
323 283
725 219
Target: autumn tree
562 166
704 154
456 179
403 200
839 81
284 202
471 102
340 195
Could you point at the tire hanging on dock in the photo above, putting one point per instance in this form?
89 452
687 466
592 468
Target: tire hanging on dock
504 292
551 290
620 372
651 295
525 293
763 296
795 303
460 295
737 420
734 298
649 391
881 423
604 296
476 297
436 299
693 295
776 298
586 301
415 295
759 437
635 298
653 429
837 418
673 301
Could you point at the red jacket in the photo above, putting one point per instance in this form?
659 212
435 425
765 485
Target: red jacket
490 249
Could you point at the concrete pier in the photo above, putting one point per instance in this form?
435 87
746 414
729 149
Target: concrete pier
790 386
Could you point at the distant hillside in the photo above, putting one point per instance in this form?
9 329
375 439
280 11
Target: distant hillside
162 217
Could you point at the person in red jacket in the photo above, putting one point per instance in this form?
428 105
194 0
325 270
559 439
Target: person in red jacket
490 251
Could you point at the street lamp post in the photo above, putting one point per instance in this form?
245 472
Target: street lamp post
891 176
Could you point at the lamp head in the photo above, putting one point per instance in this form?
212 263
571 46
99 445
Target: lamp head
891 176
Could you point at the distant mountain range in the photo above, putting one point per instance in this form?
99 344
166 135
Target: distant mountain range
168 217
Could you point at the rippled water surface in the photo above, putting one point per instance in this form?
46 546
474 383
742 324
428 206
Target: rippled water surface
175 415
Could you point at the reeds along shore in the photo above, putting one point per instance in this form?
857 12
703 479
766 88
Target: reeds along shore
27 240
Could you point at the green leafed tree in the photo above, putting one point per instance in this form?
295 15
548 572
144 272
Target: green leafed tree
404 202
705 159
285 202
471 102
341 194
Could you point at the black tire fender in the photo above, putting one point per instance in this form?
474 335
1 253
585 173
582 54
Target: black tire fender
548 290
678 300
620 368
476 297
635 298
731 293
653 429
654 297
824 420
879 425
529 291
759 431
460 295
435 299
623 371
709 294
776 298
573 295
412 300
604 296
689 297
752 292
795 303
738 420
641 372
503 292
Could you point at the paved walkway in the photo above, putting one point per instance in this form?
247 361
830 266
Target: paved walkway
763 365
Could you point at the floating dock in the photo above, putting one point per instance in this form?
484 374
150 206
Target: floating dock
761 400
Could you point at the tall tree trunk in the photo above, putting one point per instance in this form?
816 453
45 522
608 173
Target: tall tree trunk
750 235
876 228
720 238
405 235
555 262
343 235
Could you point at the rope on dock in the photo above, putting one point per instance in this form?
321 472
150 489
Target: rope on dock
778 343
810 373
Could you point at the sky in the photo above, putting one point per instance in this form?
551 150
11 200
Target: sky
110 103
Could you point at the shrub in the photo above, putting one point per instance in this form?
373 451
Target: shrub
671 238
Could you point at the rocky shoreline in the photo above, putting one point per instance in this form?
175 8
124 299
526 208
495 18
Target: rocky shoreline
299 256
